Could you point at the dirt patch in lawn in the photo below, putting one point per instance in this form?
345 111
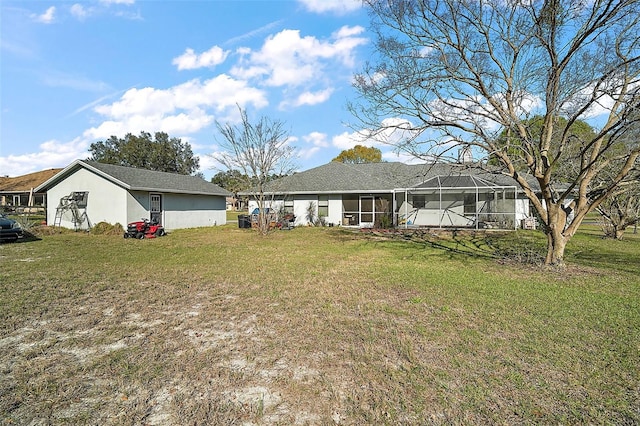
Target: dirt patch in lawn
201 360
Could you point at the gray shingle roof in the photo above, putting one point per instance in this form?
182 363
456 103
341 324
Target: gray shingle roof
337 177
143 180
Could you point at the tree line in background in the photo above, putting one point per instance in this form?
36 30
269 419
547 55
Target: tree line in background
145 151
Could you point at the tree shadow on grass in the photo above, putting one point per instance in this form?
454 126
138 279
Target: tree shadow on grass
620 256
503 246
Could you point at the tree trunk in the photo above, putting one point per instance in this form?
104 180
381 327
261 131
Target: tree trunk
556 243
556 240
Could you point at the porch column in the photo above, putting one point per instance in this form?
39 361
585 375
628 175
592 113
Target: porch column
477 199
406 209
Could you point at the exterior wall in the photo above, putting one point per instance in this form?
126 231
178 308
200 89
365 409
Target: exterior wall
335 209
301 203
106 202
179 210
192 211
522 209
137 206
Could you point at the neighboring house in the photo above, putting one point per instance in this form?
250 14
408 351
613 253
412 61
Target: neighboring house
86 192
18 193
403 195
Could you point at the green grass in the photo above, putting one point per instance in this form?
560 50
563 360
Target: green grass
318 326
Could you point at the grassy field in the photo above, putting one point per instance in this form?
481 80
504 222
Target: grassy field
318 326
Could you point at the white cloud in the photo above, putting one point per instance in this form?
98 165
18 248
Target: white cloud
387 139
332 6
346 42
79 11
177 123
314 143
287 59
602 107
402 157
51 154
309 98
189 60
96 102
182 109
348 140
307 153
47 17
208 162
317 139
82 11
392 132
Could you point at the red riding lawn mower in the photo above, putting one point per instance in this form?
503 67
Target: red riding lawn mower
144 229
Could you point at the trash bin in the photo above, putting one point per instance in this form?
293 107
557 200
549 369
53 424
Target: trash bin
244 221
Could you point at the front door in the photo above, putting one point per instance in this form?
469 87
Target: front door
156 208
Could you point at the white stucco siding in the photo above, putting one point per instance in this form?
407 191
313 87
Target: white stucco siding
301 207
137 206
300 204
106 201
193 211
335 209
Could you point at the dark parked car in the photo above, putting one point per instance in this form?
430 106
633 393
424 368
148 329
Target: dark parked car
10 230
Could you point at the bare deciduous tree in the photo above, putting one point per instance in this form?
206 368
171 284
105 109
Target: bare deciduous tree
621 210
259 151
460 73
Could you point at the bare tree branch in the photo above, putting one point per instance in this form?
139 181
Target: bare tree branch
260 151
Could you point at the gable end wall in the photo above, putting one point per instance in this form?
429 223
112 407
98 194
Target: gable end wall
106 201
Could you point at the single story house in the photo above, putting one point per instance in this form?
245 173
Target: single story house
403 195
88 192
18 193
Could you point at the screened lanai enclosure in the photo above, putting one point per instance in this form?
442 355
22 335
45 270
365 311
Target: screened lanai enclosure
459 202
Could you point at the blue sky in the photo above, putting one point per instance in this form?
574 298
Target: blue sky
73 73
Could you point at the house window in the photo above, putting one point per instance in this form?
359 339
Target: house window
288 206
80 198
323 205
